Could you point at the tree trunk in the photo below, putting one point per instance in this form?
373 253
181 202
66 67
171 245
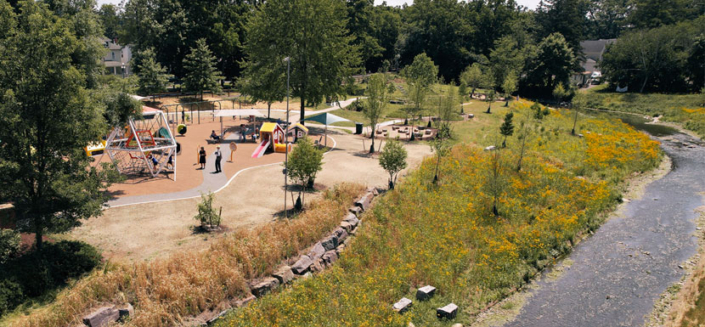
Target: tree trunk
269 109
372 146
303 110
575 121
38 235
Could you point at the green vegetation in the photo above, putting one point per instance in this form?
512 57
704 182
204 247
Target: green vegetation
393 160
445 233
152 76
207 215
304 163
377 99
200 71
39 273
687 110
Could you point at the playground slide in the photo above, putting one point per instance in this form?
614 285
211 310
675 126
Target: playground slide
261 149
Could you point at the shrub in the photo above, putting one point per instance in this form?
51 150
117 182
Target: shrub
39 272
10 295
9 244
206 213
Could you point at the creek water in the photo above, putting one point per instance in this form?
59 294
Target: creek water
619 273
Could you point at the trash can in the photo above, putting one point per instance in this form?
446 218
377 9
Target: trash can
358 128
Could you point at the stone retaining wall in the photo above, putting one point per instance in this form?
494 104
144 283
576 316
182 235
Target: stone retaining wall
317 258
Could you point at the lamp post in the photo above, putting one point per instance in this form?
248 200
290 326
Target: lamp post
123 70
286 136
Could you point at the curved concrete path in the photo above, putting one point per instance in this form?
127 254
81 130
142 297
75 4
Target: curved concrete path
619 272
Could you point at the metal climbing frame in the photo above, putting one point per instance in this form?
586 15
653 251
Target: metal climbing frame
143 146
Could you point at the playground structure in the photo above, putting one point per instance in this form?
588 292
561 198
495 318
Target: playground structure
298 131
271 139
143 146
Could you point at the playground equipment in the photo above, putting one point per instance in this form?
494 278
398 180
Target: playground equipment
95 148
298 131
181 129
143 146
270 135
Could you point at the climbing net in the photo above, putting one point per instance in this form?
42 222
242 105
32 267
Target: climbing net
143 147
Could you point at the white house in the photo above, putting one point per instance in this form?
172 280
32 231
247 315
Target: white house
593 51
117 61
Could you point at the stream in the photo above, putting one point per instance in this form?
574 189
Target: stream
619 273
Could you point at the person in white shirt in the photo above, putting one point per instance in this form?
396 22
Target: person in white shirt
218 157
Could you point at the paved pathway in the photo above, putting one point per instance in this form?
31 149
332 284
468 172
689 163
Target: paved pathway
619 272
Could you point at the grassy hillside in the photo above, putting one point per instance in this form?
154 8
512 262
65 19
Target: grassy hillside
446 235
685 109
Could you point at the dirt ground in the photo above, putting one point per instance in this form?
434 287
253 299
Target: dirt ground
254 197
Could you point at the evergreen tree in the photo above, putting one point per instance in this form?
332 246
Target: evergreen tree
152 76
201 73
567 17
507 128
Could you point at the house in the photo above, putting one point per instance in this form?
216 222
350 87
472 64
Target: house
117 61
593 51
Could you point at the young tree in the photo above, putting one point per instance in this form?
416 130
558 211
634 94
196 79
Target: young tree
490 97
579 102
495 178
419 76
441 147
377 99
472 76
524 132
305 161
489 83
393 160
509 86
561 93
207 214
49 118
507 128
152 76
201 73
312 34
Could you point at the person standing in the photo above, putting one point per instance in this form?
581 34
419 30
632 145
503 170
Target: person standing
202 158
218 157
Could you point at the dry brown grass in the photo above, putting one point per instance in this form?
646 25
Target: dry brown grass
165 291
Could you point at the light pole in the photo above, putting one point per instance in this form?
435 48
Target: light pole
286 136
123 70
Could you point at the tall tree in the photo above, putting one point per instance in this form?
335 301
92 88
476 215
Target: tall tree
377 99
49 119
608 18
442 30
387 25
312 34
361 27
264 83
553 64
507 56
200 70
656 13
419 77
567 17
110 20
152 76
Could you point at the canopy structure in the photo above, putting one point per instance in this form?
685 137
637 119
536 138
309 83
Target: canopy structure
143 146
327 119
236 112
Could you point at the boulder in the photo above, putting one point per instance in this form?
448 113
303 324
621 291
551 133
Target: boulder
330 242
346 226
402 306
317 266
340 249
490 148
365 201
355 210
218 316
126 311
316 251
284 275
101 317
330 257
341 234
263 286
244 301
302 265
373 190
425 293
447 312
352 219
